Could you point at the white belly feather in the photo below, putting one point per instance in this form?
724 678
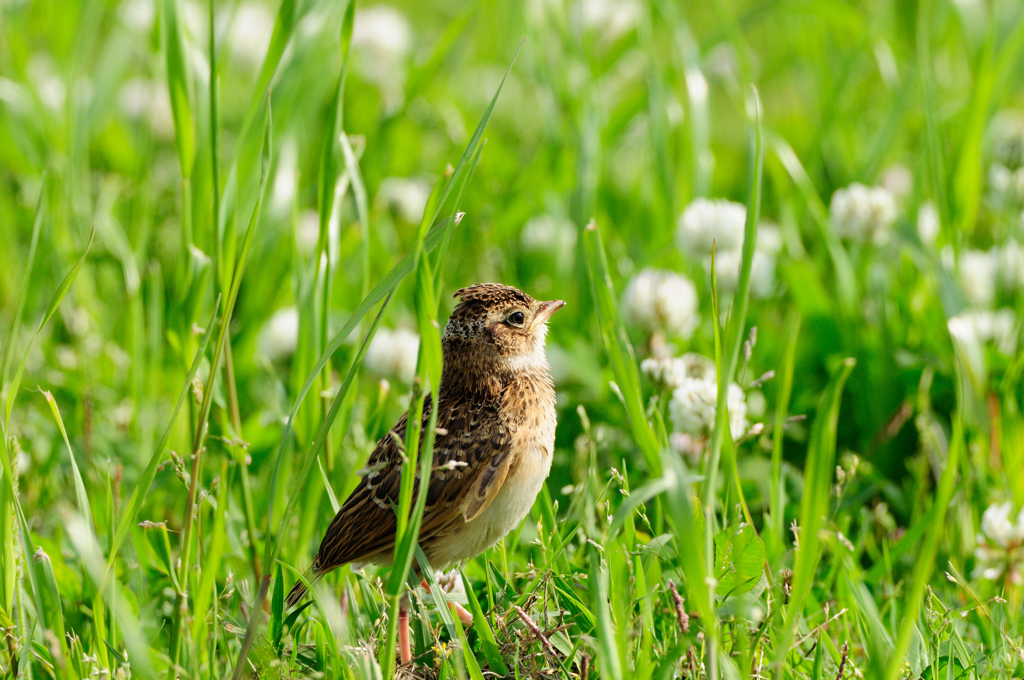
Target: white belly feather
514 500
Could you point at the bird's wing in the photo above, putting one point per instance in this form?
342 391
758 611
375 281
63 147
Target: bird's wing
471 459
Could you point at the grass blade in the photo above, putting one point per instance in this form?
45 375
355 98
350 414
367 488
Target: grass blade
818 474
80 493
37 225
131 512
55 301
198 445
777 500
924 564
488 642
272 548
618 348
179 85
48 600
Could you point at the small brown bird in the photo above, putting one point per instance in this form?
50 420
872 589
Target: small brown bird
492 453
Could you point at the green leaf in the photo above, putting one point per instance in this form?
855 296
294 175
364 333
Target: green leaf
483 631
213 555
607 648
275 629
332 640
739 560
160 548
335 505
355 177
51 610
179 86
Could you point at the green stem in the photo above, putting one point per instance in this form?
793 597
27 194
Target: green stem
240 456
778 494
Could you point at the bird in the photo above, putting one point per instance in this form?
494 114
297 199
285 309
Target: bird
495 435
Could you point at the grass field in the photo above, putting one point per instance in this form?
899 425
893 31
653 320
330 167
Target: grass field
230 232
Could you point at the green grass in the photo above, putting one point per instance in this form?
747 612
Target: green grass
173 450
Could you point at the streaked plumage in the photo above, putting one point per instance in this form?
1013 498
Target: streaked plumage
496 429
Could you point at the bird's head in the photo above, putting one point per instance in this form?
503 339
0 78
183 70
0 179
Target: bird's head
497 328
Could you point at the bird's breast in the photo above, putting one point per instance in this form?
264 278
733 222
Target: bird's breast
532 448
531 453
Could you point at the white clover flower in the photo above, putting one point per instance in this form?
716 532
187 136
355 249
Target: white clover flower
407 196
42 75
148 100
382 38
548 234
393 354
710 222
286 179
690 447
609 19
249 35
1001 549
307 232
862 213
722 63
928 224
898 180
997 525
1007 185
138 15
195 18
451 582
757 403
769 238
736 402
975 327
658 300
1007 138
693 407
280 335
977 270
671 372
727 270
1010 266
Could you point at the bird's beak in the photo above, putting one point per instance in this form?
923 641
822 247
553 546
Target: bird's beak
546 310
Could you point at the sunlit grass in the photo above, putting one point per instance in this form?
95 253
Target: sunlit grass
220 217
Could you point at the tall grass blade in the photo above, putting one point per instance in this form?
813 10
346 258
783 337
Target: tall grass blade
924 564
846 280
198 445
618 348
83 540
484 633
777 500
80 494
179 85
138 497
273 547
55 301
818 473
48 600
37 225
727 351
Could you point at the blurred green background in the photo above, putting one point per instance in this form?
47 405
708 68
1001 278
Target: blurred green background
626 112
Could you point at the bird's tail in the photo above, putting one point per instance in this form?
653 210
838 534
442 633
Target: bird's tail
298 592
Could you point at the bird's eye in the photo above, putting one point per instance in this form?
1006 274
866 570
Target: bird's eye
515 319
